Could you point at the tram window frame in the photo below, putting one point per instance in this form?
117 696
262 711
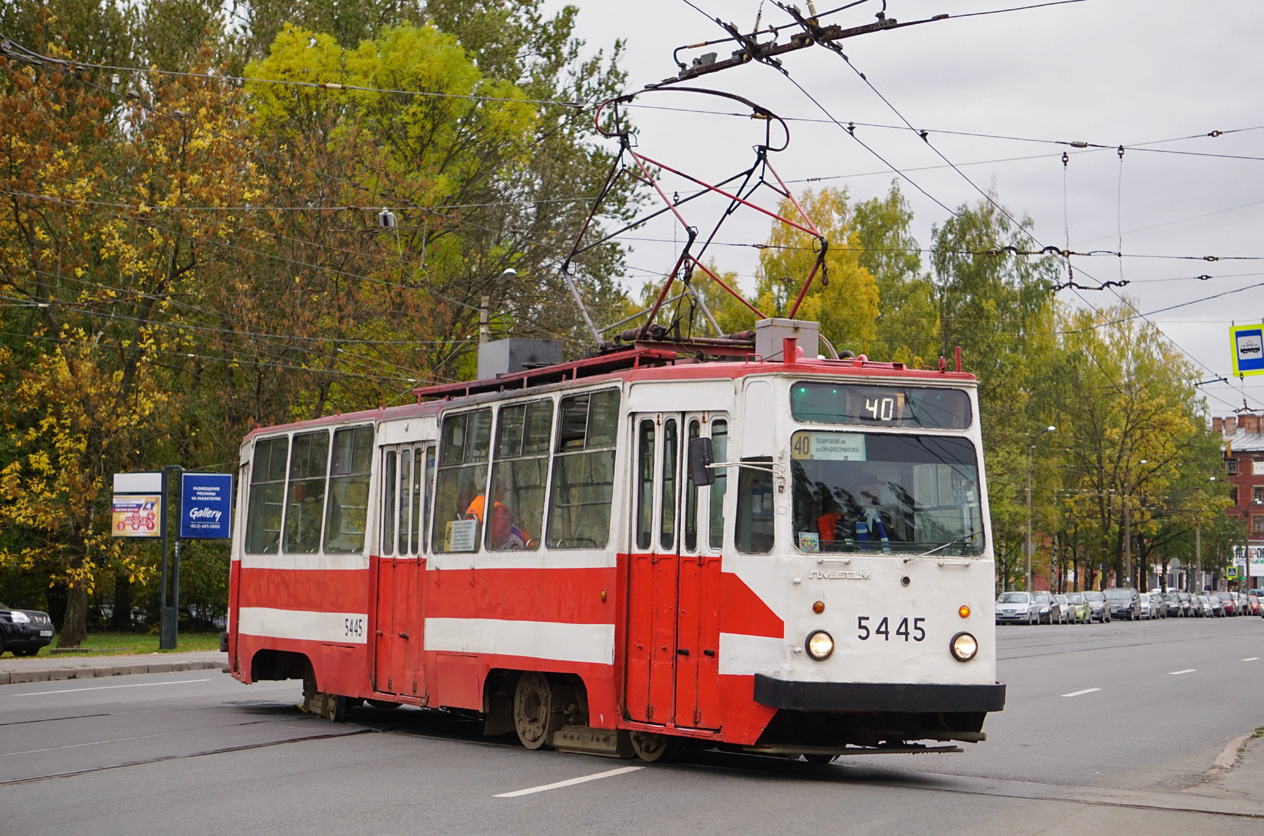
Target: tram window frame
347 494
719 487
405 493
309 468
390 459
755 488
690 510
646 442
267 494
583 466
461 477
520 470
418 524
667 513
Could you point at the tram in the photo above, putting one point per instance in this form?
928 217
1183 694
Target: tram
725 543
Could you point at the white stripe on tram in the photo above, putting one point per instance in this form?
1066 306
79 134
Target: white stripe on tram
340 627
591 643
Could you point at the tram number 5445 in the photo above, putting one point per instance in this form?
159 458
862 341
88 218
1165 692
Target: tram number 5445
883 629
353 628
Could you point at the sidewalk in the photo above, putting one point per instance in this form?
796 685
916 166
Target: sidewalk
45 667
1237 776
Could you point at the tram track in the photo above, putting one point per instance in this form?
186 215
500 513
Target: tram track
183 756
869 776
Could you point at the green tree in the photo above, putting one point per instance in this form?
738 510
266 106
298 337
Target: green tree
848 307
907 327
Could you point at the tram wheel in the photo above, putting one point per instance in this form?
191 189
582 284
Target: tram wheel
651 747
383 704
533 714
819 760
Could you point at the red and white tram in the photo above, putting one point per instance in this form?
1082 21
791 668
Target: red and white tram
556 550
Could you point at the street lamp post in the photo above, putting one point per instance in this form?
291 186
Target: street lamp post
1031 443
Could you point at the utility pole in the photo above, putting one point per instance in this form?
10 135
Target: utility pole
1198 557
1031 443
1127 541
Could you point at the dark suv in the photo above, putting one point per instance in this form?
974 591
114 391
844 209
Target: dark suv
24 631
1124 602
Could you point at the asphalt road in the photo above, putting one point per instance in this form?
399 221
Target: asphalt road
1154 704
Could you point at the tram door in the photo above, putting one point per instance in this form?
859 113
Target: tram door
674 579
406 476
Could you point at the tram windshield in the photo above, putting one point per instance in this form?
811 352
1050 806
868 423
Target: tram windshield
894 494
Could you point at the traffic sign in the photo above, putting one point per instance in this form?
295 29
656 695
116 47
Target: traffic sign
1248 349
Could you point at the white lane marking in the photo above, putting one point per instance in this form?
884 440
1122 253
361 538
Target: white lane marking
1081 693
108 687
1251 659
1178 673
570 782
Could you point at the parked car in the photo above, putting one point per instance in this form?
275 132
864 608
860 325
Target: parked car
1064 607
1228 606
1253 604
1017 608
1173 601
1198 605
1124 602
1158 605
1145 606
24 631
1215 607
1079 612
1187 602
1050 611
1097 606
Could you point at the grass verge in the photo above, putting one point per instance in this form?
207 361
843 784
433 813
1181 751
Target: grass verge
122 644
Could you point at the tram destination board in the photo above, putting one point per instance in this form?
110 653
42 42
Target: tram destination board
890 406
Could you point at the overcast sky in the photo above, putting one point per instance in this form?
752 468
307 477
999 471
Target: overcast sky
1156 76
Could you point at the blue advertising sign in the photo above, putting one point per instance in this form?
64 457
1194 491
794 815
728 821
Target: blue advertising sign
206 506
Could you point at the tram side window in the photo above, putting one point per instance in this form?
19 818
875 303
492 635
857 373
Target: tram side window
720 449
755 508
405 500
645 485
519 475
305 493
461 483
348 508
267 494
388 504
415 546
583 471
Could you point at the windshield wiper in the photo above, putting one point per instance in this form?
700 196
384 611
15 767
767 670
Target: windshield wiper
960 538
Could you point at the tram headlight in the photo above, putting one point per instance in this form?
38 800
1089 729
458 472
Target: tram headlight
820 645
964 647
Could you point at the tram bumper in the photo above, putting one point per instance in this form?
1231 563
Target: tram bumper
877 696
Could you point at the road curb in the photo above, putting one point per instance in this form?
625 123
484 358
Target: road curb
56 674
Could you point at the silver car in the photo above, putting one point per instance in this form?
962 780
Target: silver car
1098 608
1017 608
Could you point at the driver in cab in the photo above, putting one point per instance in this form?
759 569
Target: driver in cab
861 523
